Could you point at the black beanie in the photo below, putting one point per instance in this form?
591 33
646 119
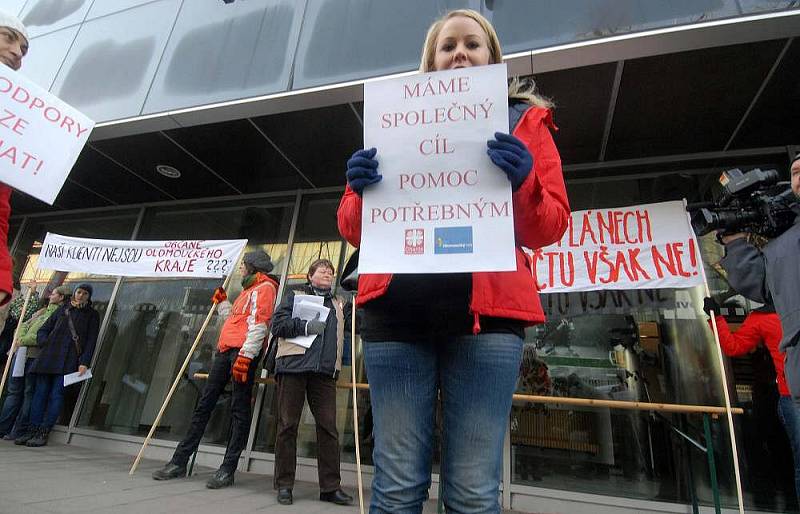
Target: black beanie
258 260
86 287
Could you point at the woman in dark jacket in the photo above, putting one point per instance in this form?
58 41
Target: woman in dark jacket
311 372
67 341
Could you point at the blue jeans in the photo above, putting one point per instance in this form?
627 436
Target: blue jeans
788 412
14 398
48 398
477 376
17 407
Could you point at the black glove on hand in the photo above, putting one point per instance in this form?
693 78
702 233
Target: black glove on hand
710 304
315 326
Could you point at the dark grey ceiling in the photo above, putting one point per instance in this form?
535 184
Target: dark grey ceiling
721 99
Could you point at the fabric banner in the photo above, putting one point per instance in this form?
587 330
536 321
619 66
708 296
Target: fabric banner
442 206
195 259
40 136
640 247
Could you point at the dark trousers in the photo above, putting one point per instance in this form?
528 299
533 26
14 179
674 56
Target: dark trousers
241 412
293 389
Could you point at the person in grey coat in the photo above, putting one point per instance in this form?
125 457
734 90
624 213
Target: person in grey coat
772 275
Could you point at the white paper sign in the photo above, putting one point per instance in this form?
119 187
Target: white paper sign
640 247
19 362
442 206
40 136
73 378
308 307
197 259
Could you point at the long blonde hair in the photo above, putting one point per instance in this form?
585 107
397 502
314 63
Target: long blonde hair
517 89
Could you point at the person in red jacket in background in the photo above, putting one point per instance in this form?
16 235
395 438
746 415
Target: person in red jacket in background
461 333
763 326
241 340
13 47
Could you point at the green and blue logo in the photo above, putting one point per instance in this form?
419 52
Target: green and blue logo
452 240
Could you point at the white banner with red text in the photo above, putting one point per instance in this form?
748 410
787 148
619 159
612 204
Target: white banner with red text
647 246
442 206
186 259
40 136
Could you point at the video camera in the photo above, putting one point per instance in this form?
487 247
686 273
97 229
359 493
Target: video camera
751 202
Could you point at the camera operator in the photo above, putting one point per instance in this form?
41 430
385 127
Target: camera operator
772 275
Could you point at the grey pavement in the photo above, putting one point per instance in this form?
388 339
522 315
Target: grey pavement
69 479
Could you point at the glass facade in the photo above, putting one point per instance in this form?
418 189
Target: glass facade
183 54
628 345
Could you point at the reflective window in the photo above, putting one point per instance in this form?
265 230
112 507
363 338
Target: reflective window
46 55
756 6
155 322
524 25
337 44
43 16
110 66
220 51
317 236
14 6
114 225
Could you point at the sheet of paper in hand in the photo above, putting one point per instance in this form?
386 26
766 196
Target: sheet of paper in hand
442 206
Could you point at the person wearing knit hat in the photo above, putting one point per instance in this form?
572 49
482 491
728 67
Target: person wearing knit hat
13 48
13 40
241 342
15 415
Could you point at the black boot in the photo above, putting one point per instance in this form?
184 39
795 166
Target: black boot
220 479
39 439
338 497
27 436
169 472
285 496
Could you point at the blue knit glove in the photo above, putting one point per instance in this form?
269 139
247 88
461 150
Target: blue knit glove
512 156
362 170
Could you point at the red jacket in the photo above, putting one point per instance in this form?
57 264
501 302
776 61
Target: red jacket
758 327
6 265
541 210
246 326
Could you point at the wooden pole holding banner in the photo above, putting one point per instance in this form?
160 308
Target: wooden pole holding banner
12 351
179 375
723 375
355 406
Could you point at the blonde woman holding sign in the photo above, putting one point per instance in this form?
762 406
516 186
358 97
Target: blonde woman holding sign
460 333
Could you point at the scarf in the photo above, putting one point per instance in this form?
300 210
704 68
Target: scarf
78 305
321 292
249 280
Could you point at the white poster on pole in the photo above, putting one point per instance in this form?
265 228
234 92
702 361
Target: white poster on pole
40 136
442 206
190 259
647 246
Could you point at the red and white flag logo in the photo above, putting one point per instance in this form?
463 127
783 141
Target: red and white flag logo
415 241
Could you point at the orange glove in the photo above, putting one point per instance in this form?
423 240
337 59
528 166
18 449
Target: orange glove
219 295
240 368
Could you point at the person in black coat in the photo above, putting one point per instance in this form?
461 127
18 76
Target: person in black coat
67 341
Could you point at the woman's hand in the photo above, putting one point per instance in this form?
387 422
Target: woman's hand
81 370
512 156
362 170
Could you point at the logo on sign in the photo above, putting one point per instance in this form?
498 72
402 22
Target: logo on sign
415 241
452 240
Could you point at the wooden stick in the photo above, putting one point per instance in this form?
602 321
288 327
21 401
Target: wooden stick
578 402
727 406
14 342
725 392
355 406
178 378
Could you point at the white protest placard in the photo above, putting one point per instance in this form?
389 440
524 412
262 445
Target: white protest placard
442 206
191 259
19 362
40 136
647 246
